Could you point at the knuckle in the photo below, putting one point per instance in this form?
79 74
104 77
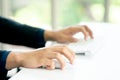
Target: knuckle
71 28
83 27
64 47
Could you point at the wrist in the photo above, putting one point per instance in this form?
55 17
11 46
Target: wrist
14 60
49 35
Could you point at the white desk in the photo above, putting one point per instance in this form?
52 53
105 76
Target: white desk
105 65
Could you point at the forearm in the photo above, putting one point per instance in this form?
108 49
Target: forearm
20 34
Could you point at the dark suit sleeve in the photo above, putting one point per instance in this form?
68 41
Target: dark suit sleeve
3 70
20 34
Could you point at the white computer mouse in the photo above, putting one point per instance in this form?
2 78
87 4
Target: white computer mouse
68 65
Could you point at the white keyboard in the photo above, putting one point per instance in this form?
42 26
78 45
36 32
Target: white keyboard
91 46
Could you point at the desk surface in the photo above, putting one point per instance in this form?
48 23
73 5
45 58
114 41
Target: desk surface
105 65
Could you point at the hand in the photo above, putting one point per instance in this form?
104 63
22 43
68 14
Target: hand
40 57
66 35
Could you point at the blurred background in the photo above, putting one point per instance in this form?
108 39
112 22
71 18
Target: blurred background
58 14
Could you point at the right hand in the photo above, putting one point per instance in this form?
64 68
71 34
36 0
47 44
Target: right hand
45 57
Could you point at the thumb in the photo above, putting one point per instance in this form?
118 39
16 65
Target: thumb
72 39
48 64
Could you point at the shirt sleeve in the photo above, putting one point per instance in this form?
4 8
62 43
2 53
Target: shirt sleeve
3 70
12 32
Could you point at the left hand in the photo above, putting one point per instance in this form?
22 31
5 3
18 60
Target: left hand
66 35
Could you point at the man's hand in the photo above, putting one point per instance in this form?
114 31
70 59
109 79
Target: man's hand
66 35
40 57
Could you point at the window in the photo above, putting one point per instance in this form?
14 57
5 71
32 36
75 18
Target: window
32 12
64 12
72 12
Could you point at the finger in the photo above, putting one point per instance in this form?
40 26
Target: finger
51 66
69 55
72 52
81 28
89 31
60 59
66 52
85 33
47 63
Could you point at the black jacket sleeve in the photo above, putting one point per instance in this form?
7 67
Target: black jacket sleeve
3 70
12 32
20 34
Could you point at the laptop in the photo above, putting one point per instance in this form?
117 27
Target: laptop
87 47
